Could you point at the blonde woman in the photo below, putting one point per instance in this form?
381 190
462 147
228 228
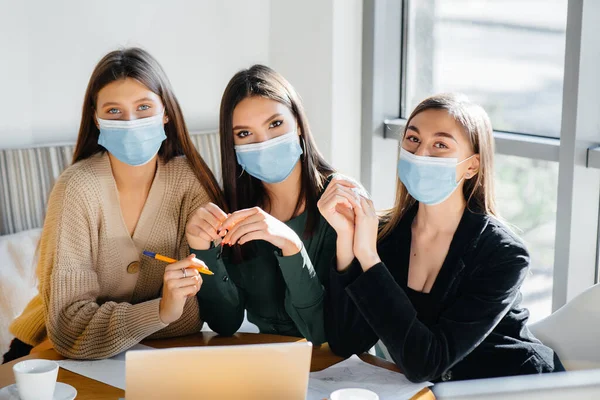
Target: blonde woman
440 286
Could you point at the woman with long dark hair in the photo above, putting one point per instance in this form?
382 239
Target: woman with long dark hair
270 256
136 178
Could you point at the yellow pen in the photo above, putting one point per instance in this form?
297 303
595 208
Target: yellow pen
201 267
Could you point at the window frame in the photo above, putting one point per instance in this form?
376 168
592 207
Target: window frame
384 72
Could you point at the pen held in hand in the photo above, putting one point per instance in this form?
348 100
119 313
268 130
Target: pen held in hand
200 266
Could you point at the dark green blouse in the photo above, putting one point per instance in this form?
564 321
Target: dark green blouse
282 295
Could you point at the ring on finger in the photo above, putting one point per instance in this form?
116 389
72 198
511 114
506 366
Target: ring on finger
184 273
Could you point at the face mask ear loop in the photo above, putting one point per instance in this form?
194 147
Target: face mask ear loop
466 159
303 148
243 169
457 164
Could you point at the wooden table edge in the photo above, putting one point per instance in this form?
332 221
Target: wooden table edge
47 352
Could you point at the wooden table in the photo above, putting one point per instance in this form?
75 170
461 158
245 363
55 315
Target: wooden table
90 389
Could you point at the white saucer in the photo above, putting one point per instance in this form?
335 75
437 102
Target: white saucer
62 391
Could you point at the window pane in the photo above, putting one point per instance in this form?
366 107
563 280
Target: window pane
526 191
507 55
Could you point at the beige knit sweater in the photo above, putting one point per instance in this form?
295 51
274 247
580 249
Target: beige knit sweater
89 305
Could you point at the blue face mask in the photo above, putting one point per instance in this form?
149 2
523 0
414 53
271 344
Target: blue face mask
430 180
133 142
271 161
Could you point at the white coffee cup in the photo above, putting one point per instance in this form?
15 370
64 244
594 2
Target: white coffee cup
353 394
36 379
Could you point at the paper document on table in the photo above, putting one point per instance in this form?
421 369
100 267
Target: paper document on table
110 371
355 373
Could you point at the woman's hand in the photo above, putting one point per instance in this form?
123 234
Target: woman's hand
337 207
181 280
365 234
244 226
202 227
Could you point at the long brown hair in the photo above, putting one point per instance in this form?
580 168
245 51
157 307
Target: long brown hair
479 191
245 191
138 64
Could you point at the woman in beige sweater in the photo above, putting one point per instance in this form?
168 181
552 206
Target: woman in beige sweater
135 180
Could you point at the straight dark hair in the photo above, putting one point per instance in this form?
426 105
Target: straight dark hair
138 64
243 190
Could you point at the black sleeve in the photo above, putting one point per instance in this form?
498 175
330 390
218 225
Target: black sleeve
347 330
424 354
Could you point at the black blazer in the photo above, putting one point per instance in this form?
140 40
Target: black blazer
475 328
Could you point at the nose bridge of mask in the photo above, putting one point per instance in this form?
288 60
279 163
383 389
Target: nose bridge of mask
286 137
111 124
445 161
427 160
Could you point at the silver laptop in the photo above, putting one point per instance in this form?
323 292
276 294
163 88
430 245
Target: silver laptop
560 385
261 371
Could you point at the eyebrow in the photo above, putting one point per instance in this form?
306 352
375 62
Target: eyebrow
446 135
144 99
267 120
112 103
437 134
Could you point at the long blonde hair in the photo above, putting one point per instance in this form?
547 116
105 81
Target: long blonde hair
478 191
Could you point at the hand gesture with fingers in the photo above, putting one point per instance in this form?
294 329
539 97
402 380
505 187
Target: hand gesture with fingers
337 204
250 224
181 280
365 234
202 227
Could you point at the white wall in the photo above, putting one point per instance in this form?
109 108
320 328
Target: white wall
301 50
384 175
48 51
316 45
347 83
49 48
